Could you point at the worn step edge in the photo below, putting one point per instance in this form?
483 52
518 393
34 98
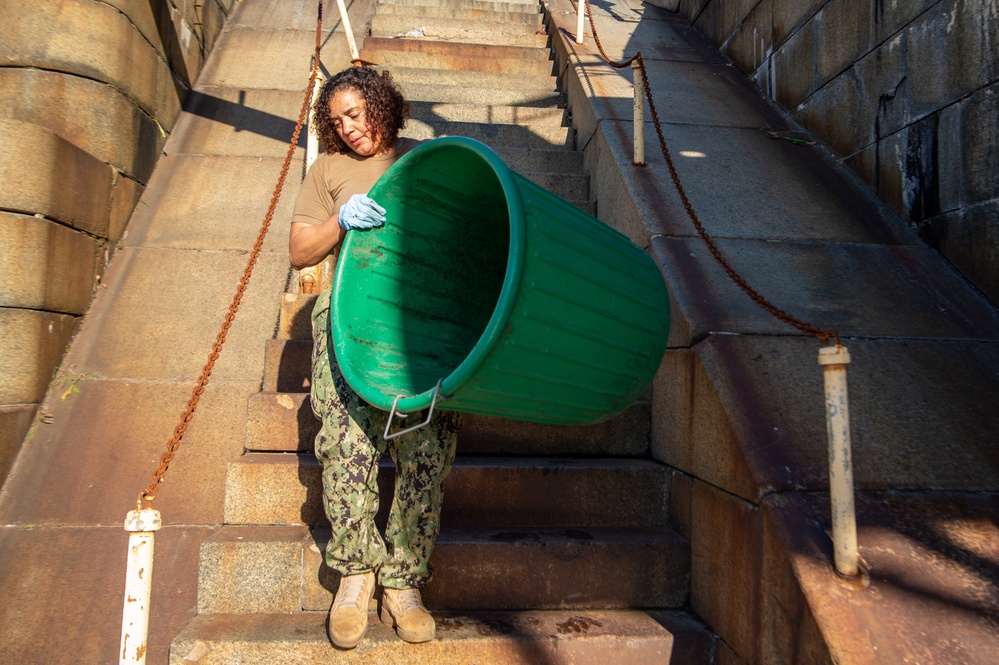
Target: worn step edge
284 422
471 11
494 638
552 137
522 68
282 569
464 51
439 30
285 488
495 114
526 97
456 5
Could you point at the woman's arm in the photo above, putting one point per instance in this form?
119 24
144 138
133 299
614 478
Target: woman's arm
309 244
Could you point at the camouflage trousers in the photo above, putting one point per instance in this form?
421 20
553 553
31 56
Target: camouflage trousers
349 445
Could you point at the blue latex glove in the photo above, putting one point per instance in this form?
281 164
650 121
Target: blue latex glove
360 212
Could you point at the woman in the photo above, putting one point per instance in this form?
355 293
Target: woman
359 114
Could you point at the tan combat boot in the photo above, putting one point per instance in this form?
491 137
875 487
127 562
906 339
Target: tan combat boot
403 610
348 619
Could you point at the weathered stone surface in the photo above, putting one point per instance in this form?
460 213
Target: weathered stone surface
239 122
752 43
929 561
863 104
296 316
287 365
845 31
389 52
938 76
182 209
625 435
474 568
130 423
147 306
970 240
251 570
725 549
269 488
97 41
692 641
15 422
672 395
787 628
514 32
980 136
794 66
31 345
94 116
125 194
719 20
790 15
42 173
914 294
273 59
497 638
280 422
774 423
798 197
90 560
301 15
46 265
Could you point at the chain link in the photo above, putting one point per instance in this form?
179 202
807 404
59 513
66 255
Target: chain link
178 433
826 336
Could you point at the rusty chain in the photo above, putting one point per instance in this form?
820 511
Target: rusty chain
826 336
171 449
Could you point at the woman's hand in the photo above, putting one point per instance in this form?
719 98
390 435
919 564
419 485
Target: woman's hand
361 212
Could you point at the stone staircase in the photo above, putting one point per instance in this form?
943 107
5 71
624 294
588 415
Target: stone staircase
554 542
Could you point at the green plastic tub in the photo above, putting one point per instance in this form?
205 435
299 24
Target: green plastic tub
516 302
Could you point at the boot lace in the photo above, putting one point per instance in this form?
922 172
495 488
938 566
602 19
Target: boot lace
409 599
352 591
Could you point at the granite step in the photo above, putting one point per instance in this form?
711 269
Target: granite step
285 488
264 569
522 61
484 88
514 33
284 422
463 638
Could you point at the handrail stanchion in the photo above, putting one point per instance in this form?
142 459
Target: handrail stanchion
354 56
639 115
312 142
580 17
834 360
141 525
309 279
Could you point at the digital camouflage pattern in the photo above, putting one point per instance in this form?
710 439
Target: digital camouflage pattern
349 445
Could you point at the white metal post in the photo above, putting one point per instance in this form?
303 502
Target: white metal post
312 142
308 278
141 525
639 114
834 360
580 16
346 28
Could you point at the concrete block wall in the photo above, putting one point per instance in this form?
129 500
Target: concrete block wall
906 93
89 91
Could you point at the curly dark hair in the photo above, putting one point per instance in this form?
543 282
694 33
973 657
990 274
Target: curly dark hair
386 109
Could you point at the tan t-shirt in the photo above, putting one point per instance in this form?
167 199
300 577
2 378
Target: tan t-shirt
334 178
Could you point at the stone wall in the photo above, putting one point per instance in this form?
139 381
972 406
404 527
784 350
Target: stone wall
904 92
89 91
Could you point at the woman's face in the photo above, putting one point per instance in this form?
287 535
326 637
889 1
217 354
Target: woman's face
348 111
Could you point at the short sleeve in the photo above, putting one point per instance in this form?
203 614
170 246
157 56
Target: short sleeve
316 202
